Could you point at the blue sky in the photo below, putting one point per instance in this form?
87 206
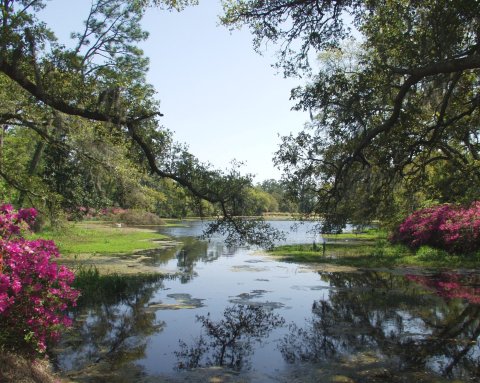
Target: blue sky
218 96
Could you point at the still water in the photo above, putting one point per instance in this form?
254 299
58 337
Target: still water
237 315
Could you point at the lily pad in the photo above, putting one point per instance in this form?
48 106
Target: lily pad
248 268
182 301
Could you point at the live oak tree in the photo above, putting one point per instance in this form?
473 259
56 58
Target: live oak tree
394 97
87 105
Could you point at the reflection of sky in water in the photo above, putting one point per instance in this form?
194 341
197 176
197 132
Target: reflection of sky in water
390 310
218 286
295 232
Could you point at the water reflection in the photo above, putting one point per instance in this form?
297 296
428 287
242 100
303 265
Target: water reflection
191 252
110 330
295 232
451 285
229 342
366 326
406 328
186 254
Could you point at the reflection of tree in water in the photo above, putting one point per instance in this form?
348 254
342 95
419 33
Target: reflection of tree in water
191 252
395 319
451 285
454 342
110 329
229 342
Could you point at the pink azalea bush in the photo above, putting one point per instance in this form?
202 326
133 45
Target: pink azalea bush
453 228
34 290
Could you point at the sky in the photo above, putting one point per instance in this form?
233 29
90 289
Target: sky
219 96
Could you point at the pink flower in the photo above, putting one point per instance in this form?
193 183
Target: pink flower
34 290
449 227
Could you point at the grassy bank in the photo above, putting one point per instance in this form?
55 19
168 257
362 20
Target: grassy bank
101 238
372 250
108 248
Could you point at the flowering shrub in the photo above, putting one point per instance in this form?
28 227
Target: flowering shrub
448 227
34 290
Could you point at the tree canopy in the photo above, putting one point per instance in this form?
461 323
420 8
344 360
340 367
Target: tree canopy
81 125
394 96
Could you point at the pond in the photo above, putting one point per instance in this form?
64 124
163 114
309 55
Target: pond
237 315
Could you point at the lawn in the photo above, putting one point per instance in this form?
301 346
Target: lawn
101 238
371 250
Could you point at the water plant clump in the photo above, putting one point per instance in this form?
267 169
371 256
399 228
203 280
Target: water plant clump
453 228
34 291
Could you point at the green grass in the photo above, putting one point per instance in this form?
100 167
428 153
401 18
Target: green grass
368 234
378 253
98 238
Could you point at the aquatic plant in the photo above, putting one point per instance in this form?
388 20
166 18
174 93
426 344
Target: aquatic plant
453 228
34 290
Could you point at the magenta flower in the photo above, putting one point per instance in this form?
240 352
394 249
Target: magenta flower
449 227
34 290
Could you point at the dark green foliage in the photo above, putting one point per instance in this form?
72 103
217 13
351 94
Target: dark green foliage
279 191
98 120
395 114
67 176
239 230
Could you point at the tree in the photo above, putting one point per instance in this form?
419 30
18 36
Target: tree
279 191
97 84
388 111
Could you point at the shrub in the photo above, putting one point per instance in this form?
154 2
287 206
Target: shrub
131 216
111 213
453 228
139 217
427 253
34 290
